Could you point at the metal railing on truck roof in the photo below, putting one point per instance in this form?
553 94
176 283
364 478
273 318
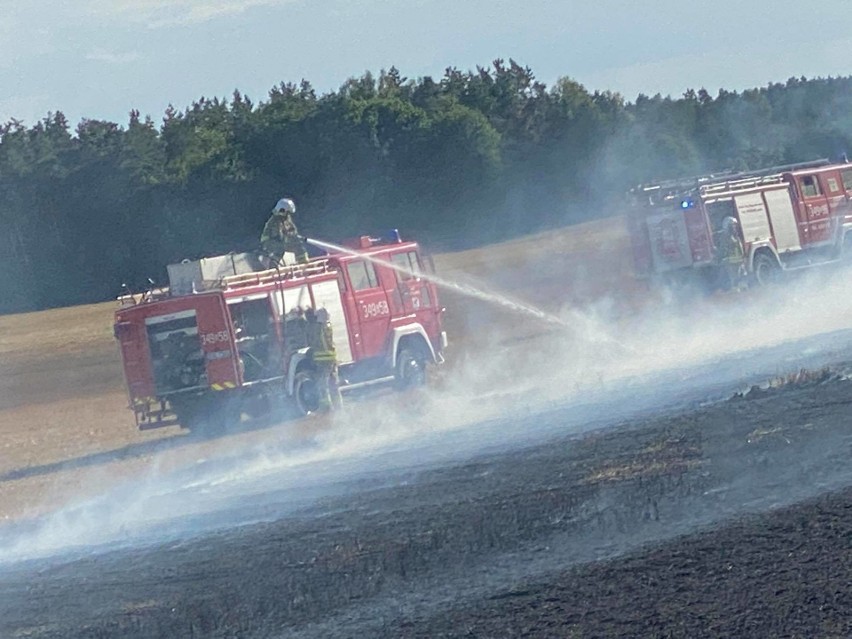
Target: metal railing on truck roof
316 266
681 187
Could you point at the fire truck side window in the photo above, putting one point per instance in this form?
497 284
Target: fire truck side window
408 263
847 179
252 317
833 186
362 275
810 186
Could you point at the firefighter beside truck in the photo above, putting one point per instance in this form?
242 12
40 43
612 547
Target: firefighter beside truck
788 217
228 336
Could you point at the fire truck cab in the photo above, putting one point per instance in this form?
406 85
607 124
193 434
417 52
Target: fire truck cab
229 336
790 217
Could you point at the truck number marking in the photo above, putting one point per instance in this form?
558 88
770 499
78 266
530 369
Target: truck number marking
375 309
819 211
214 338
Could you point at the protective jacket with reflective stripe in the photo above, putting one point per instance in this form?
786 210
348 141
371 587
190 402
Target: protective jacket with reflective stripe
321 342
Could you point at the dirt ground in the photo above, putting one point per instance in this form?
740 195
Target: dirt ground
611 534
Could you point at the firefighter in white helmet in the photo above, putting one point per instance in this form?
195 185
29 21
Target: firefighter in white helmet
322 353
280 234
730 254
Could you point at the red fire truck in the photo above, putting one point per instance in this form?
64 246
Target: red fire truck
790 217
227 336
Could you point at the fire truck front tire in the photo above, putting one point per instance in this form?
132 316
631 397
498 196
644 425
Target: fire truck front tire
765 269
306 392
410 369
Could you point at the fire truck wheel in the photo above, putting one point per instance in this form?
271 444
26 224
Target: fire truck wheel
410 368
189 412
207 416
765 269
306 392
223 414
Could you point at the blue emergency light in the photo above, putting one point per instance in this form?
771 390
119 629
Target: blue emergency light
687 203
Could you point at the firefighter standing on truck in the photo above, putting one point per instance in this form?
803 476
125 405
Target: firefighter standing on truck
730 253
280 234
324 357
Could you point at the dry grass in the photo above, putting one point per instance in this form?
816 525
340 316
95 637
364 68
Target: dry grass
45 334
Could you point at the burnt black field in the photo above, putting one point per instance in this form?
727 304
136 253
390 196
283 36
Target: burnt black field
676 525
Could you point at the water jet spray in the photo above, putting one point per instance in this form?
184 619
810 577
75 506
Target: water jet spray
464 289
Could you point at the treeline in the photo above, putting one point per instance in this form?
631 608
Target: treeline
470 157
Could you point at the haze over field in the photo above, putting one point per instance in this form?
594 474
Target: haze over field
508 391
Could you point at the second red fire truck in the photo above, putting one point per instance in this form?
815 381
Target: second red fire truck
226 337
790 217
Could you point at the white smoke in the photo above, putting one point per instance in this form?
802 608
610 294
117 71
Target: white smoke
525 380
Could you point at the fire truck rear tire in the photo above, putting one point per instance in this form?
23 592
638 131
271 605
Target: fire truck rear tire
765 269
208 416
188 411
306 392
410 369
223 413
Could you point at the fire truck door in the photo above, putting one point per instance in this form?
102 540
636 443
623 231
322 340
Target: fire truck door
783 218
818 221
669 240
837 200
216 334
412 293
754 222
134 354
372 324
639 243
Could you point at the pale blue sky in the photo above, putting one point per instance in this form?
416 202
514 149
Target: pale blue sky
100 58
